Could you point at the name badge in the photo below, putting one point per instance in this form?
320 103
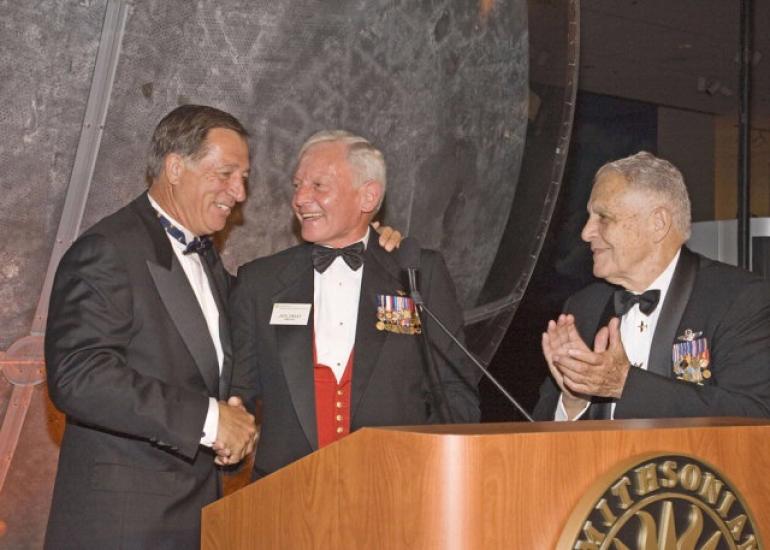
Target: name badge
290 314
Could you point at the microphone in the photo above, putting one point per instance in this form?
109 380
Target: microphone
409 260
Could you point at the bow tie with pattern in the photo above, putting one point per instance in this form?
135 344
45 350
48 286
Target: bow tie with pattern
198 244
625 300
324 256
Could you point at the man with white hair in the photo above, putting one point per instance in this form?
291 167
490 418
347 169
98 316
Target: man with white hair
671 333
324 333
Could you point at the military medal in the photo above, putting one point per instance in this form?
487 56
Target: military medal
397 314
691 357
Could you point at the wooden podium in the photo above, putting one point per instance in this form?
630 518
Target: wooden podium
484 486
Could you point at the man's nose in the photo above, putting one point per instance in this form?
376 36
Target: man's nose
238 188
589 230
301 195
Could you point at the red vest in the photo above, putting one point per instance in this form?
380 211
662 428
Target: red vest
332 401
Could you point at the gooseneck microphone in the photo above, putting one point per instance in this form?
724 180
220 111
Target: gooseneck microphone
409 261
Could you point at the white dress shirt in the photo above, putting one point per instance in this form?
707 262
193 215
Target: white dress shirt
196 275
636 332
336 293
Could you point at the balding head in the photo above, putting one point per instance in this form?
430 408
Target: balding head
639 217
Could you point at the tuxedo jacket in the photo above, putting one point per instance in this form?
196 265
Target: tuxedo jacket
274 363
131 363
727 306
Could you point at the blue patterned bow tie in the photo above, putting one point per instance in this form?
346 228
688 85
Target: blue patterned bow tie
198 244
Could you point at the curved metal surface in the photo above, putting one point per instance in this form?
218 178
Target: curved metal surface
554 32
440 87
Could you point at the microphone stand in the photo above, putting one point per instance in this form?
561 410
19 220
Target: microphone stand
420 304
436 388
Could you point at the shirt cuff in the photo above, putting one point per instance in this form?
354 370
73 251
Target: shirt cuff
211 425
561 413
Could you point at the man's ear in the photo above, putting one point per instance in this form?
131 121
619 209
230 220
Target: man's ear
173 166
371 192
661 222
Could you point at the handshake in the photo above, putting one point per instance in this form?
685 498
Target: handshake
236 434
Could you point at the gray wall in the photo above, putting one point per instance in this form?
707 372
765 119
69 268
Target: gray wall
47 54
441 87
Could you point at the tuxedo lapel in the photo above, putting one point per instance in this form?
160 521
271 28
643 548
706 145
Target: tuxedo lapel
295 342
178 297
607 314
216 275
673 307
185 312
380 277
589 322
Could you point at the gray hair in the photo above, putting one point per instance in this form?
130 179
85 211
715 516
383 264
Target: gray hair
644 171
367 161
184 131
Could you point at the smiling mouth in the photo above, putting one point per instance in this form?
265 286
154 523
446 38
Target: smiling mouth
309 216
224 207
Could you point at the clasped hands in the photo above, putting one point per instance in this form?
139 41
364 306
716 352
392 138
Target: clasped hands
580 371
237 433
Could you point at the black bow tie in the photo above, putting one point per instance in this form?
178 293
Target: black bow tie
625 300
199 245
324 256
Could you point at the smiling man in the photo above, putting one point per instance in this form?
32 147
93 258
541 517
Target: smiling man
138 351
671 333
324 334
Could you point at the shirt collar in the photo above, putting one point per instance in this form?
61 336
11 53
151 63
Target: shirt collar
664 279
364 239
188 235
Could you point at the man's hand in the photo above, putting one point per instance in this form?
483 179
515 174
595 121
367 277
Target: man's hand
390 238
556 340
237 432
601 371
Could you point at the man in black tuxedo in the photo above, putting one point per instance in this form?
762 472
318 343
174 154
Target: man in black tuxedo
138 352
323 333
674 334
